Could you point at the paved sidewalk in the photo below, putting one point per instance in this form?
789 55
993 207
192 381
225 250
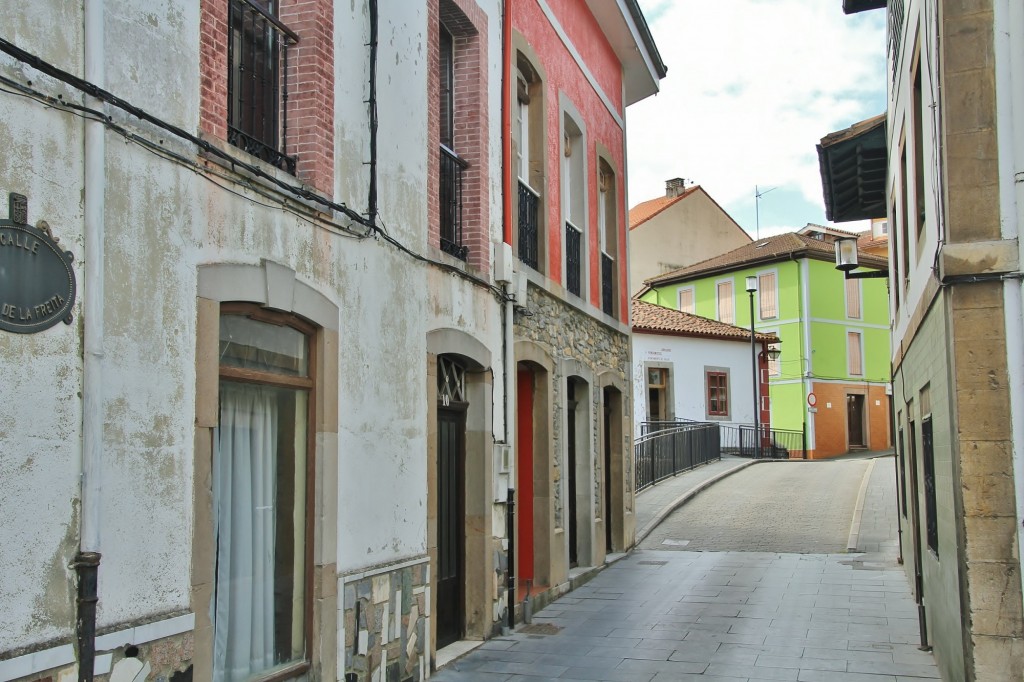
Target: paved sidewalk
656 616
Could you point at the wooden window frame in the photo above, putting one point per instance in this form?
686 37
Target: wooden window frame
710 375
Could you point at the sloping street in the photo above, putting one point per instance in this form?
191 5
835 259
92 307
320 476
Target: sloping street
748 580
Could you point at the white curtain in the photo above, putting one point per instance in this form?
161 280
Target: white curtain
244 473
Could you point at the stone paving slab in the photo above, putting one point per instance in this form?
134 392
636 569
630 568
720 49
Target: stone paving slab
660 615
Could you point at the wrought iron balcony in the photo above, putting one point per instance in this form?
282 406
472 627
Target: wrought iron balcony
607 284
451 204
529 208
258 82
573 258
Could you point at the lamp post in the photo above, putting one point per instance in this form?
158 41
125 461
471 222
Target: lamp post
751 288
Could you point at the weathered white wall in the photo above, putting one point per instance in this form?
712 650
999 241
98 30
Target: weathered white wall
163 220
686 358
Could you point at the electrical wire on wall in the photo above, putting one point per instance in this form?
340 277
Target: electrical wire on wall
371 222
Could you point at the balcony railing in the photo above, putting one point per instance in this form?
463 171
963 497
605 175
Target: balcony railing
607 284
666 448
451 204
258 83
573 258
529 207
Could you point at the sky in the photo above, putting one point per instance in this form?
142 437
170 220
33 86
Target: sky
752 86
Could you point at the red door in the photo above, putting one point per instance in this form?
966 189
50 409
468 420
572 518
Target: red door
524 475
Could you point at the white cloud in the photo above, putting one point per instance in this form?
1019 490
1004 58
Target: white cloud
752 86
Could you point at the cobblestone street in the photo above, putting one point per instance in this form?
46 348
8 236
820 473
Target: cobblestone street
787 611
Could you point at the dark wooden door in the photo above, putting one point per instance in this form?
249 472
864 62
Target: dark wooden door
571 464
606 504
855 420
451 527
524 467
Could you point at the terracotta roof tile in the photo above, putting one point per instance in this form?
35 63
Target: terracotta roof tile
646 210
770 249
655 318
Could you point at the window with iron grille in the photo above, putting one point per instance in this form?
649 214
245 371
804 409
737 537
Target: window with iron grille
528 151
258 81
607 225
573 259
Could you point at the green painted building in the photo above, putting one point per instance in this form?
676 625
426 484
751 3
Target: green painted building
832 378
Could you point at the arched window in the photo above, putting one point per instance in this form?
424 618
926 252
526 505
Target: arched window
262 493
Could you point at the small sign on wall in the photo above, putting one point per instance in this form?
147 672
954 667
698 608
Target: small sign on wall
37 282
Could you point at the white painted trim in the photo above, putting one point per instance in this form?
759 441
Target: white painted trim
36 662
56 657
805 306
852 324
848 382
580 63
149 632
380 570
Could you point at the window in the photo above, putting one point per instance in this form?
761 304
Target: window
657 394
573 203
918 132
717 384
854 354
262 494
607 225
451 198
257 52
903 471
686 303
768 297
928 464
725 302
853 298
528 150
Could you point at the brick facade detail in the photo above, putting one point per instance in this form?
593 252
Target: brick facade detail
310 107
468 25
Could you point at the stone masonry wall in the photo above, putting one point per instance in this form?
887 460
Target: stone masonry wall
386 626
569 334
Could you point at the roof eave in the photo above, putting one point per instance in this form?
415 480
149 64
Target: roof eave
855 6
626 29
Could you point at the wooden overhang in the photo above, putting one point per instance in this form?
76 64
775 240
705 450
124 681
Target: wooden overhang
854 6
854 165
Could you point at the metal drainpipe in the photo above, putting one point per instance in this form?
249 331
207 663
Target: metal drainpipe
86 563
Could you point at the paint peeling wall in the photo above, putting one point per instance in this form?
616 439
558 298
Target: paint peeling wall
164 219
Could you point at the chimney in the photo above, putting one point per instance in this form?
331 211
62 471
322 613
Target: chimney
675 187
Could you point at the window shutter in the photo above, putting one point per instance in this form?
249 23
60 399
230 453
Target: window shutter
768 296
853 299
853 353
686 300
725 308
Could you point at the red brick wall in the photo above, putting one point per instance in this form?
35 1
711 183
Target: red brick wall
468 25
310 83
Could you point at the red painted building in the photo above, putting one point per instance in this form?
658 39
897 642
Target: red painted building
573 67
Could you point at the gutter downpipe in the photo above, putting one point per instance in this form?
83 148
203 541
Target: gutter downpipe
508 312
87 560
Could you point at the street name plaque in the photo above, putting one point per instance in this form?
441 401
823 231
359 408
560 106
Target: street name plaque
37 282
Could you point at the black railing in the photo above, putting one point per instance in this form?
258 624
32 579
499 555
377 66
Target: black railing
529 207
738 439
607 284
666 448
573 258
451 204
258 83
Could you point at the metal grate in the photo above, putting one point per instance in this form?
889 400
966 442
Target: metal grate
607 284
529 207
895 32
258 81
573 258
451 204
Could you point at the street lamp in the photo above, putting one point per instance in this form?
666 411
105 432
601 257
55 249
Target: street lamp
846 260
751 288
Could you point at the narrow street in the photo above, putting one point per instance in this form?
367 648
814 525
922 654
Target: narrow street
750 579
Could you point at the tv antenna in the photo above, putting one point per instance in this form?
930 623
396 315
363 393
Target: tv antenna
757 206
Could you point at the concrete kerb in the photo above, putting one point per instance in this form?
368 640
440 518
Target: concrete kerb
858 511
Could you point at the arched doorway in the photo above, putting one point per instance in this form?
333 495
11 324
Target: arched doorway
452 405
